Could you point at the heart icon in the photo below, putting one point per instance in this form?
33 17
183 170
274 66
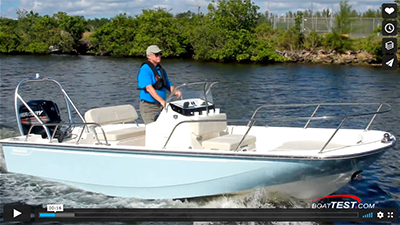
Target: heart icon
389 10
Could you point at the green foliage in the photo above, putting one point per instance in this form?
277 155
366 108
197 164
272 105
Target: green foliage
73 25
25 30
293 38
8 22
37 47
398 16
265 18
232 30
157 27
326 13
370 13
313 40
185 24
94 24
35 34
371 44
298 30
266 43
343 18
207 39
234 15
377 30
115 38
229 33
186 16
8 39
266 31
287 40
264 51
338 39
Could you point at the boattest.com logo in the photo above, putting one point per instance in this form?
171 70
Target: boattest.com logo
352 204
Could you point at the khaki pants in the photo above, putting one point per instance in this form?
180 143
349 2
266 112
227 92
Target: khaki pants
149 112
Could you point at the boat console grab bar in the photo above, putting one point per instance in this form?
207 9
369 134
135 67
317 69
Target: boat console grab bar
206 89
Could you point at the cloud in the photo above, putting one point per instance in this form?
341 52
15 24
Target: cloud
111 8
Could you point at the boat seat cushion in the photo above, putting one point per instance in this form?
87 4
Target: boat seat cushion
203 128
112 114
228 142
121 134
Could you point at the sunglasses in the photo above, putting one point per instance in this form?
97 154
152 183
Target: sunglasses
158 54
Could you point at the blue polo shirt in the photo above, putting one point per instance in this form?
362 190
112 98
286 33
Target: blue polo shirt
146 77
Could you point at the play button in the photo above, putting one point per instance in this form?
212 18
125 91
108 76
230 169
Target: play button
20 213
16 213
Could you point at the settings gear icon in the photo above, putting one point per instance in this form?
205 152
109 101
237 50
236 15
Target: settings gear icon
379 215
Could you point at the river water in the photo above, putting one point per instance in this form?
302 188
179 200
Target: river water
104 81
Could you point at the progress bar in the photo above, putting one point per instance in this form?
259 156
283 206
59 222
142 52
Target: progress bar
57 215
211 214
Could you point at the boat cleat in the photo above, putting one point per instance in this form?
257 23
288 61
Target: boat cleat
387 138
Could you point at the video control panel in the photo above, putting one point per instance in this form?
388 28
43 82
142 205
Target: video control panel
57 213
389 31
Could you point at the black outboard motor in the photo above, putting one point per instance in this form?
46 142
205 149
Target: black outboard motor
47 111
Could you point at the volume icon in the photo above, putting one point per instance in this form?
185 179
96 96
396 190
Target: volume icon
369 215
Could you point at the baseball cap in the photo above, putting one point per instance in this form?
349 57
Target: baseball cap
152 49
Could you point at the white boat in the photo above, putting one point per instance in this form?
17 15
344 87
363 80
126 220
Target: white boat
192 149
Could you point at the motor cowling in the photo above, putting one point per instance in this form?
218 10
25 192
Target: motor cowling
47 111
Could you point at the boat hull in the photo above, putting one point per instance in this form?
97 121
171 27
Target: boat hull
154 174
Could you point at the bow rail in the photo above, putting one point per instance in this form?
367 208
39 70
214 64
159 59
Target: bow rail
381 108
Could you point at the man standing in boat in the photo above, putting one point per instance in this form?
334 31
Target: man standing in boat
153 83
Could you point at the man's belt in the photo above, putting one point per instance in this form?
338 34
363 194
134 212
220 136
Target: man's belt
152 103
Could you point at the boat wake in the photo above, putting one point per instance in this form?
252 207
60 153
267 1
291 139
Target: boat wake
39 192
36 191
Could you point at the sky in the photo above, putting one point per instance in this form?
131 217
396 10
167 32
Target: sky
110 8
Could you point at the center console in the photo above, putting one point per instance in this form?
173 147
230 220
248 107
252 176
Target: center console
188 107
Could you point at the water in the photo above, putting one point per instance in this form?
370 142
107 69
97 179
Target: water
104 81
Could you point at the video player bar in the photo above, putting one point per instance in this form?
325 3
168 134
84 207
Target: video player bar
199 214
56 213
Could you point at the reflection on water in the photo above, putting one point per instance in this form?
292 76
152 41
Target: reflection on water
104 81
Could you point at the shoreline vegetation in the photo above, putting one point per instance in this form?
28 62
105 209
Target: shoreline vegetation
231 31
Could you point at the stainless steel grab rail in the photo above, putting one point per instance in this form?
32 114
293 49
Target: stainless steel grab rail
207 86
84 125
344 118
67 99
